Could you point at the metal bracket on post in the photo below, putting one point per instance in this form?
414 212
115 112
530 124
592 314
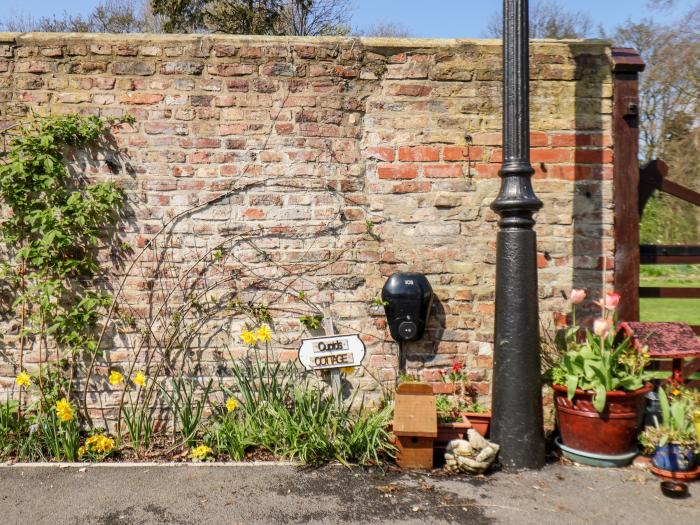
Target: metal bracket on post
329 329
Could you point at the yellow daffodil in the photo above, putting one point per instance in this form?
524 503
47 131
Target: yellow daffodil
348 369
249 338
264 334
231 404
23 379
115 378
64 411
675 392
140 378
81 452
200 453
100 444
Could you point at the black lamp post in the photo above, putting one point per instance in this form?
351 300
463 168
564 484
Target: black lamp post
517 394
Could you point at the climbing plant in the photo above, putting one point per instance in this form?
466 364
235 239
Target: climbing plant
53 224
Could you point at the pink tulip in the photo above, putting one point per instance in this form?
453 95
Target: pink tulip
612 299
601 327
577 296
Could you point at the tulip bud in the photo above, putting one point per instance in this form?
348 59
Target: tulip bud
601 327
612 299
577 296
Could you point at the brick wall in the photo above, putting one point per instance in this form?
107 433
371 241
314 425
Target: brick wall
294 172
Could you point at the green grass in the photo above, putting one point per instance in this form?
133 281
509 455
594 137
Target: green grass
672 275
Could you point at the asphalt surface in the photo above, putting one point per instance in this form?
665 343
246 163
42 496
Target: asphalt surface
272 494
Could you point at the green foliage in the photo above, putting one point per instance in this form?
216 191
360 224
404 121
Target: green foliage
139 424
450 408
231 433
601 364
180 16
311 322
187 406
56 223
676 424
667 220
61 439
243 17
378 301
284 413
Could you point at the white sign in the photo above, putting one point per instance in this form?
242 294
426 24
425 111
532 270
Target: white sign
331 351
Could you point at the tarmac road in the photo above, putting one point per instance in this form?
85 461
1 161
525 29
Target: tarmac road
271 494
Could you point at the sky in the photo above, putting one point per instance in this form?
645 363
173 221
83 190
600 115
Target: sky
436 18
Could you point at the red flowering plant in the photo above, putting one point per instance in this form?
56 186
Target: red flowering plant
451 407
599 360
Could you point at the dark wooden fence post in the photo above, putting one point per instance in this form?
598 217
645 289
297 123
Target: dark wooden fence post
627 64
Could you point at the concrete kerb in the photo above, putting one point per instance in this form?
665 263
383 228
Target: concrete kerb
136 464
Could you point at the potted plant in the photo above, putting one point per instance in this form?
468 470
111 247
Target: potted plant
599 387
457 409
672 443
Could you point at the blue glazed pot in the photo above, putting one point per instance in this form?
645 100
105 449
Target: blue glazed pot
674 458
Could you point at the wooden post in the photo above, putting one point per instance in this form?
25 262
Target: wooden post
627 64
329 329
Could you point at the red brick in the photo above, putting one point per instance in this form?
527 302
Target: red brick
419 153
381 153
410 90
141 98
231 70
397 171
254 213
551 155
570 140
462 153
593 156
487 139
284 128
538 139
443 170
412 187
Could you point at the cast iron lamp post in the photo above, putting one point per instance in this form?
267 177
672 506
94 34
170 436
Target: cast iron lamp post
517 393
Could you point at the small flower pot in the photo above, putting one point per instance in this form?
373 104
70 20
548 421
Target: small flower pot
481 421
450 431
458 429
674 458
444 388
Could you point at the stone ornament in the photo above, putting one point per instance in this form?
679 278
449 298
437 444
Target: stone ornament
473 455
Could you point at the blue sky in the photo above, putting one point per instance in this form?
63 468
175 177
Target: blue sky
437 18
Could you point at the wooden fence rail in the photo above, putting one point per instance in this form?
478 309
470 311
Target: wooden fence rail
652 177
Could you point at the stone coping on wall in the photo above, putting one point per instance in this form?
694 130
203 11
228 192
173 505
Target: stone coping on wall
391 45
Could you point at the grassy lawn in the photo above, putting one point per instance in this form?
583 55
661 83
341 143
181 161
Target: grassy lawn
681 276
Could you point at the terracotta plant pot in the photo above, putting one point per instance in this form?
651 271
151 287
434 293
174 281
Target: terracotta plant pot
612 432
444 388
481 421
458 429
449 431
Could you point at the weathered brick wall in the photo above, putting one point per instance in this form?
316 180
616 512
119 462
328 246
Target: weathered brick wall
301 142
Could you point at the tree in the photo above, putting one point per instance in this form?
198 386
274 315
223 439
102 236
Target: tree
670 84
244 17
109 16
256 17
387 30
669 118
548 19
